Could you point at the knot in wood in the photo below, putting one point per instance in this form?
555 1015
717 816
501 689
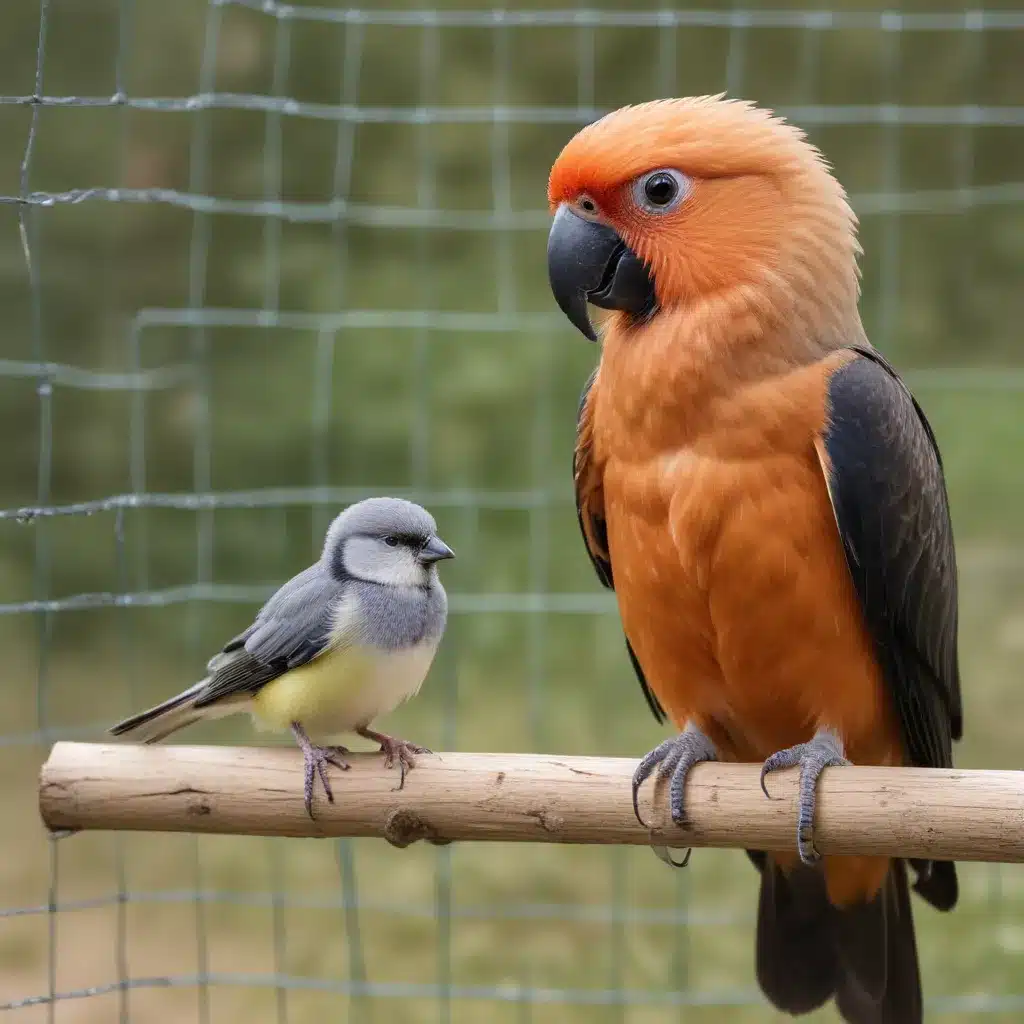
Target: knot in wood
404 827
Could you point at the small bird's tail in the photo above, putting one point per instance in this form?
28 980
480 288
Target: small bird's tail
160 721
809 951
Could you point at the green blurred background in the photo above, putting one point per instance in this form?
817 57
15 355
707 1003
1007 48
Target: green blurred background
327 279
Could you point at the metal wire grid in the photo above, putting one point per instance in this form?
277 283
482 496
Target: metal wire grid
501 219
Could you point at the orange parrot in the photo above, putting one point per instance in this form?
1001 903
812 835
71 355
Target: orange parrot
766 499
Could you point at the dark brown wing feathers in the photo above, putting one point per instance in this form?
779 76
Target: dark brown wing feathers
887 487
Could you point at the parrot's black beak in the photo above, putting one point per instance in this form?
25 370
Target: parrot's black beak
435 550
589 262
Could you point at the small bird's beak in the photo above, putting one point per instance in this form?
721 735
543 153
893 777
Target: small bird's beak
435 550
589 262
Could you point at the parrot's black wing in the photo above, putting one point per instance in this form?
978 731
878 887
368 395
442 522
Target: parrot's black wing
291 629
590 513
885 481
886 484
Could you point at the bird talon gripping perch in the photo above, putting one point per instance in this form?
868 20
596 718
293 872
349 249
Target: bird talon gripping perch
393 750
346 640
674 758
314 762
813 757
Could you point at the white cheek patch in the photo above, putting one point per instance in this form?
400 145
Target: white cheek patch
373 560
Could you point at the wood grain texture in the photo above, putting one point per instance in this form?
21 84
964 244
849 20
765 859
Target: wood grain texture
911 812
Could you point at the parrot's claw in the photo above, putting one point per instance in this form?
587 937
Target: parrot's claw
825 750
315 762
674 758
394 750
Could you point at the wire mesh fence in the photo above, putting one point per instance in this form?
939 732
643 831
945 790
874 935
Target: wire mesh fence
261 260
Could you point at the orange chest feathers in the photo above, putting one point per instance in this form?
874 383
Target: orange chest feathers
729 570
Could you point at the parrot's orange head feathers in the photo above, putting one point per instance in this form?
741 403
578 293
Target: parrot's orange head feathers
706 196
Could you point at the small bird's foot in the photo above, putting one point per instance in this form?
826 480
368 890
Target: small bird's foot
674 758
813 757
393 750
315 762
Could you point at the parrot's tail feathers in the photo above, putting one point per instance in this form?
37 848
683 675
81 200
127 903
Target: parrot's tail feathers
936 883
864 956
160 721
797 965
896 996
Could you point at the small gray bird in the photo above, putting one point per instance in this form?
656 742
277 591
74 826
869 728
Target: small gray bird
348 639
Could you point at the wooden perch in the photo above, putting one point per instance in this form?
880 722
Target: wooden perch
910 812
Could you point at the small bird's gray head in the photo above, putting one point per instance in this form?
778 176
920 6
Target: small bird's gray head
388 541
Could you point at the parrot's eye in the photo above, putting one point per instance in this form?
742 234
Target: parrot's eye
660 191
392 542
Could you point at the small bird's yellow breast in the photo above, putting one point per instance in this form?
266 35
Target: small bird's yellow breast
341 689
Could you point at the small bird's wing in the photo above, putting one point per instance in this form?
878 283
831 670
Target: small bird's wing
885 481
291 629
590 513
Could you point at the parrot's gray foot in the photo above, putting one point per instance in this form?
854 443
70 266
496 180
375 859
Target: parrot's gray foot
394 750
315 762
674 758
813 757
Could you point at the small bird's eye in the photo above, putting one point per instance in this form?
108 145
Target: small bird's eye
586 206
392 542
661 191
